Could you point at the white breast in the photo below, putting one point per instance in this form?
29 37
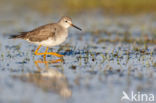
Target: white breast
50 42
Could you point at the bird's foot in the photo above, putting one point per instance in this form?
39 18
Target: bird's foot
53 53
47 53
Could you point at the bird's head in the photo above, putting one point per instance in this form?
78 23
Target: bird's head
67 22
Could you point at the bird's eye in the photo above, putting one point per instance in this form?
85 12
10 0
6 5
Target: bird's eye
66 21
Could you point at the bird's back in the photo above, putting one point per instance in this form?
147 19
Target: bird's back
42 33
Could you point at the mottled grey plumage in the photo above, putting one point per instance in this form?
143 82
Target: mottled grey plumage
50 34
44 32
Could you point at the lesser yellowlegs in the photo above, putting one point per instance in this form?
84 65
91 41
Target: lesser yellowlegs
48 35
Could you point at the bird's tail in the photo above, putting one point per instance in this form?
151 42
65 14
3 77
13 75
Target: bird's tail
22 35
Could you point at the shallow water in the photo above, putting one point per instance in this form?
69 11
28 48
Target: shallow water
97 66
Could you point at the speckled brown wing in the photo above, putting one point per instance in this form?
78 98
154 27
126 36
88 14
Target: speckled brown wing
41 33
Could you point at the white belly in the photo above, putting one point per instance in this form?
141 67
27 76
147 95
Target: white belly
50 42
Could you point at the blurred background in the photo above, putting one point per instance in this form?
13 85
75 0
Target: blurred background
72 7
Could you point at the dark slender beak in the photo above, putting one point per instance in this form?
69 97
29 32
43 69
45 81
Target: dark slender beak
76 27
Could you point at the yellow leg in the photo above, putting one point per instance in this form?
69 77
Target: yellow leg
46 53
36 52
44 57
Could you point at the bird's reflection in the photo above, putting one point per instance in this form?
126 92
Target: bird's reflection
49 79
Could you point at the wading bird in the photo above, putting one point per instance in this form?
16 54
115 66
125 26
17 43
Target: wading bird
48 35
